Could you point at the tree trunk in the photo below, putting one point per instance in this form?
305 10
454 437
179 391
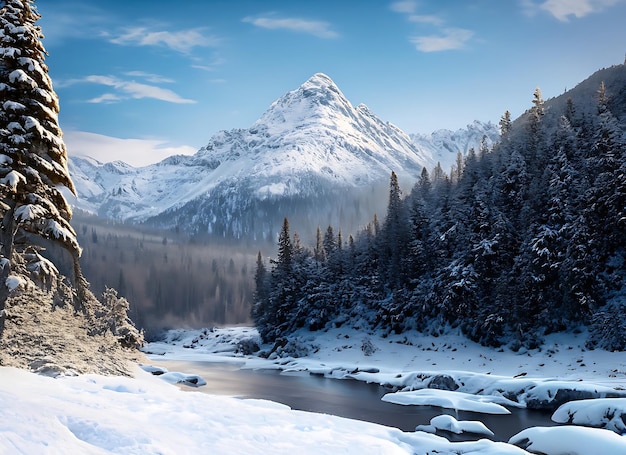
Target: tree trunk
7 234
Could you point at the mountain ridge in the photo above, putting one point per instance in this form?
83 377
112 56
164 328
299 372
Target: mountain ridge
310 147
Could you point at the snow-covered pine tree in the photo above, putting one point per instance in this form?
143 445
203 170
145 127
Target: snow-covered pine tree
33 160
505 123
394 240
260 279
319 250
39 252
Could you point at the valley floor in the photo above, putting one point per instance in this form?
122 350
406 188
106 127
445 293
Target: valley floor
93 414
393 359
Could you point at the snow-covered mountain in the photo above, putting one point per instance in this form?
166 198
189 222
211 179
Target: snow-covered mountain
311 156
443 146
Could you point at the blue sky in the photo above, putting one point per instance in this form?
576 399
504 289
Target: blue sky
143 79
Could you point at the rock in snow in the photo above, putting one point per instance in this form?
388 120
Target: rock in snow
608 413
448 423
569 440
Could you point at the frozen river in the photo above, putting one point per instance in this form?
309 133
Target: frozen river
345 398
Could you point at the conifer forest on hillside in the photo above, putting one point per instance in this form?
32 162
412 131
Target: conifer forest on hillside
519 240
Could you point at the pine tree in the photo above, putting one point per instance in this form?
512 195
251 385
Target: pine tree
329 243
283 293
505 123
570 111
457 169
285 248
260 277
607 164
33 159
438 175
319 250
38 247
393 239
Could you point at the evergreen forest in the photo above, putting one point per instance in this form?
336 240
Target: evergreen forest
516 241
171 279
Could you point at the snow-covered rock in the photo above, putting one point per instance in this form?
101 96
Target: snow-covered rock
448 423
446 371
607 413
447 399
569 440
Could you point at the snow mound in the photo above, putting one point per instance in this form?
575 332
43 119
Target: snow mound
543 379
569 440
448 423
190 380
448 399
607 413
97 415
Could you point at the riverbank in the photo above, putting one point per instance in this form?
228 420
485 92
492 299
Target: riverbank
98 415
560 371
449 372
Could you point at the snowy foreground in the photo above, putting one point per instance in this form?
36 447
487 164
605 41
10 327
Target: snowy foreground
93 414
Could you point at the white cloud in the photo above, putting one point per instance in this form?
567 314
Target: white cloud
445 38
105 98
132 90
425 19
450 39
404 7
181 41
209 66
150 77
315 28
409 8
564 9
136 152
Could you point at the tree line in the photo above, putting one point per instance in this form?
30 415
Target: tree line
169 278
516 241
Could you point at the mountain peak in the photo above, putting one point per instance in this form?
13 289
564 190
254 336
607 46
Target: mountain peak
321 81
322 89
317 98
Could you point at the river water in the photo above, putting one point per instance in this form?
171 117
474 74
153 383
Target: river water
343 397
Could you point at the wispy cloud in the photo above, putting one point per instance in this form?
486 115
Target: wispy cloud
449 39
564 9
209 65
70 21
128 89
444 38
150 77
181 41
106 148
135 90
409 9
316 28
404 7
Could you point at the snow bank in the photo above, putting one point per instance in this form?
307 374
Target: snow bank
570 440
541 379
98 415
448 423
447 399
452 372
608 413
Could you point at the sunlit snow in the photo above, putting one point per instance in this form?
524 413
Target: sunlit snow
92 414
449 399
448 423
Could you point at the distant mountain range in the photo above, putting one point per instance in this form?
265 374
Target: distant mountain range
311 156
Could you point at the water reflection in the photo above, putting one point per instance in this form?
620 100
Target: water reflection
345 398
